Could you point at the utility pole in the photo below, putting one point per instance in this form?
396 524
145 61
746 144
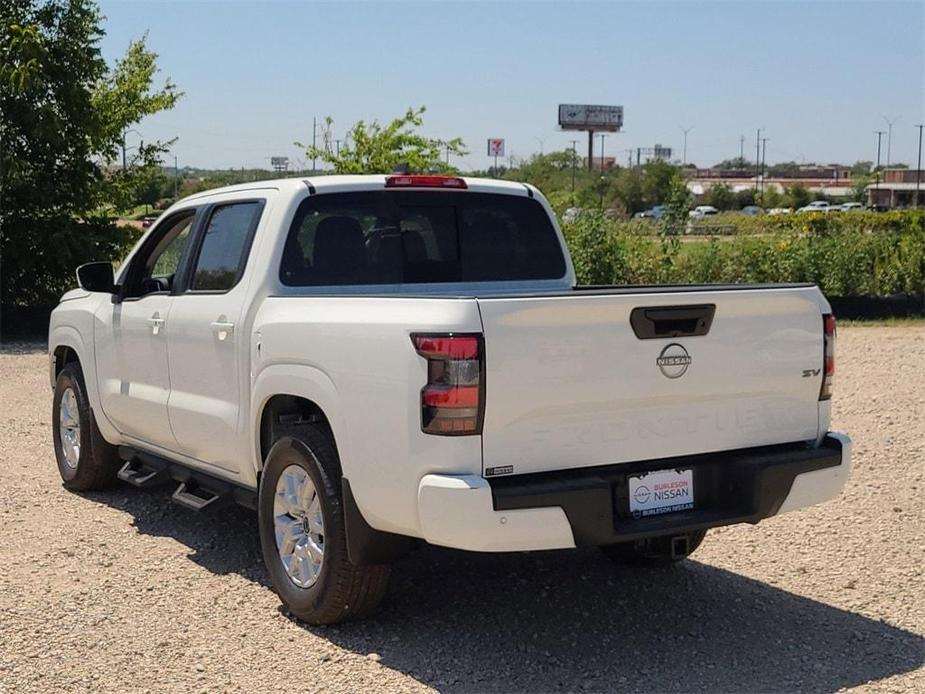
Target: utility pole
314 130
541 141
448 156
176 176
574 161
603 135
764 144
889 137
685 131
337 147
877 188
918 168
741 147
123 151
757 158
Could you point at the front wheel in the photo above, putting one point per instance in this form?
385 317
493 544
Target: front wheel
302 533
85 460
655 551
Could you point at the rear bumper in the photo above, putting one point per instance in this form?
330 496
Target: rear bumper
588 507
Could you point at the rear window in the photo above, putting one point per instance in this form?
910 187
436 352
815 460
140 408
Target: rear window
398 237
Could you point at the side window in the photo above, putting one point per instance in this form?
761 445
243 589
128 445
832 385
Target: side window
155 270
225 246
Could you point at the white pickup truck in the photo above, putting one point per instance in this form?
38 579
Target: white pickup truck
373 361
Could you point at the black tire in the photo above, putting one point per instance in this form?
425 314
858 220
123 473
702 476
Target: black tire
652 552
98 461
342 590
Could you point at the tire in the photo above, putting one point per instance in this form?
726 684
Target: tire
652 552
85 460
331 589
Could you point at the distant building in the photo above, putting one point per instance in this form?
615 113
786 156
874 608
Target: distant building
831 180
897 189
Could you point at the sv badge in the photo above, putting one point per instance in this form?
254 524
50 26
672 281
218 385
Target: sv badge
809 373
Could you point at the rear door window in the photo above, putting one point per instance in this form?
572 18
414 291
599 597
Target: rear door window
397 237
225 245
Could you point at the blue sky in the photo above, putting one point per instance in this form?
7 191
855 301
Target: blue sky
818 77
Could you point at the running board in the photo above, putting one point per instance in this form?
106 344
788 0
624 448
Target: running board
196 498
140 475
198 490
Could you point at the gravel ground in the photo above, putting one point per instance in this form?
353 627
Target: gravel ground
122 591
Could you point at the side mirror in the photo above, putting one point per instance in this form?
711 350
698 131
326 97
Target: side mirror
96 277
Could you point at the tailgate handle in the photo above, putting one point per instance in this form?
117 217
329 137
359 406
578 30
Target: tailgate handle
672 321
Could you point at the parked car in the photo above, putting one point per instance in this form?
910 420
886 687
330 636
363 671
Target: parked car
702 211
817 206
148 220
780 210
655 212
374 361
752 210
852 207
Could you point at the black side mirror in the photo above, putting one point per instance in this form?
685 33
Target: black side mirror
96 277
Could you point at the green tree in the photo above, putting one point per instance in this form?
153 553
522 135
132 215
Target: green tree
63 115
736 164
721 197
671 225
657 178
799 195
374 148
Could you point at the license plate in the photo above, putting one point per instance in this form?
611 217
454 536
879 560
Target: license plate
661 491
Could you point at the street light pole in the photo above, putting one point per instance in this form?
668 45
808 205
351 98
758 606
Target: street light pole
541 141
574 162
889 137
685 131
764 145
877 187
918 168
603 135
757 158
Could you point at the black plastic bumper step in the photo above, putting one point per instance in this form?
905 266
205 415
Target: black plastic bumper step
138 474
197 498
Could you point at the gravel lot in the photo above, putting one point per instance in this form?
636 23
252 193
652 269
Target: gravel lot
122 591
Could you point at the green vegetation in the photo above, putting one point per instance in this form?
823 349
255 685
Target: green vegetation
65 113
373 148
854 254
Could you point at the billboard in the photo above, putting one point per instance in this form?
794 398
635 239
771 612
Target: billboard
496 147
279 162
590 117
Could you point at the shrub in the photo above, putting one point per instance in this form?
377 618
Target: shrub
856 254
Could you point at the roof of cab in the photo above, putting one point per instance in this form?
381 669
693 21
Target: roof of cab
344 183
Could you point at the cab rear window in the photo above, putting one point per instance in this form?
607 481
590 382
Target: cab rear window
408 237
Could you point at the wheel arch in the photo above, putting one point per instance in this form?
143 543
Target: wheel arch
284 395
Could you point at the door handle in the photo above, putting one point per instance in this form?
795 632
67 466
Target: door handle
222 329
156 323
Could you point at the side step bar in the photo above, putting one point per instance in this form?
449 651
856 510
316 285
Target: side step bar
197 490
140 475
195 497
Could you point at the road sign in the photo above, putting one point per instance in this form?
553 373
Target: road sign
590 117
495 147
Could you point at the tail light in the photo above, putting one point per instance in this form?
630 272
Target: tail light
453 400
828 361
417 181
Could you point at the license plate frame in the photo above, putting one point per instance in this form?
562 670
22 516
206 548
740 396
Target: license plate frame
659 492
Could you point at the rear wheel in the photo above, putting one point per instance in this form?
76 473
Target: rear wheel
85 460
302 533
655 551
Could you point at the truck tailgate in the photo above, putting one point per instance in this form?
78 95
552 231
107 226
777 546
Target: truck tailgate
569 384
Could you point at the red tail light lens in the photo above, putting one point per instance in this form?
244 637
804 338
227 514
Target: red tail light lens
828 355
452 401
412 181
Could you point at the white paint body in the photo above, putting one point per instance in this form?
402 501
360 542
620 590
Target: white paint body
567 383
